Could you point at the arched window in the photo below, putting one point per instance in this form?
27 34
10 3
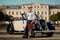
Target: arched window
9 12
53 12
45 12
12 13
42 12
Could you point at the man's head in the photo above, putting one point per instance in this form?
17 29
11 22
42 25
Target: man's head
29 9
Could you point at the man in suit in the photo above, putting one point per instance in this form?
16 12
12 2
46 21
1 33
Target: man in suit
30 16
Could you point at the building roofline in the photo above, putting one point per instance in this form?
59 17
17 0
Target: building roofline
52 6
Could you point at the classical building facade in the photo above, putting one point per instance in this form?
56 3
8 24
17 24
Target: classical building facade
42 10
54 9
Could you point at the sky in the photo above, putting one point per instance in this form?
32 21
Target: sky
19 2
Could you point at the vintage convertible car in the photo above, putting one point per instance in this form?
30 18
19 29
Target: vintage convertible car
40 26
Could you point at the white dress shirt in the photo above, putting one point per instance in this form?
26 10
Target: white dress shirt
31 16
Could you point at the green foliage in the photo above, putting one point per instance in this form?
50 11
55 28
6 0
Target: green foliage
4 17
55 17
58 16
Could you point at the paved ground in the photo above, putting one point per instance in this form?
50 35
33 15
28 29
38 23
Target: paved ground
18 36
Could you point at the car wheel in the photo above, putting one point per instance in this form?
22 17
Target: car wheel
10 30
50 27
49 34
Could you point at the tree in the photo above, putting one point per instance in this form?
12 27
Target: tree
7 17
55 17
58 16
1 16
4 17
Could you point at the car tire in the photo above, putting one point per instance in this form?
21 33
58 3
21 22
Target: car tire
10 30
50 33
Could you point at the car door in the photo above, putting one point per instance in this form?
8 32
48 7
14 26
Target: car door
19 25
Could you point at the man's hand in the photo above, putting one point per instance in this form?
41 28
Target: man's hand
32 21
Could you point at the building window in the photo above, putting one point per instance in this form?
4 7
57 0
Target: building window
12 13
45 7
9 12
35 7
49 13
53 12
16 13
42 12
20 13
42 6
